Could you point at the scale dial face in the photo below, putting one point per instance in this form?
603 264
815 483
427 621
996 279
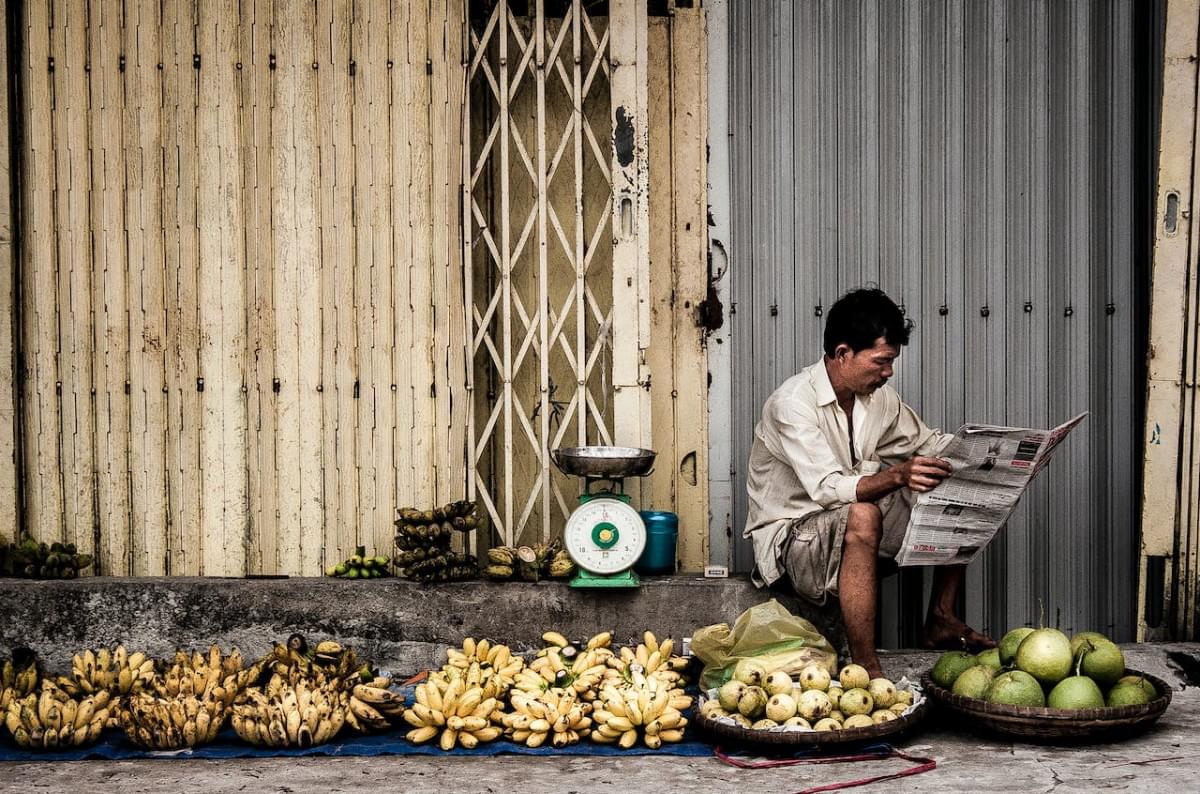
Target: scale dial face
605 536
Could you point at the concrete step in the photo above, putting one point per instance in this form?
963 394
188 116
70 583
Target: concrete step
402 626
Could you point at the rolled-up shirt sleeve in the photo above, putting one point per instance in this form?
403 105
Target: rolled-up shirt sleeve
908 436
805 448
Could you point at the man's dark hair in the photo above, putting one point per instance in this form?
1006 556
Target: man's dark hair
860 317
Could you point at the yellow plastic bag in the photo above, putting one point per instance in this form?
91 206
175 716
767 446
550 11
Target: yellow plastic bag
766 632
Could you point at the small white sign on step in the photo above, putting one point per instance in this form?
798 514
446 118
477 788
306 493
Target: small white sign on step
716 572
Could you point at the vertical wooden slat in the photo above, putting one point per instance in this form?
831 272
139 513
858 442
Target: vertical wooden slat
454 405
630 296
111 346
373 76
337 269
8 383
420 435
661 353
449 355
142 47
308 287
297 288
73 142
257 76
180 214
41 421
364 267
221 295
400 142
285 186
689 125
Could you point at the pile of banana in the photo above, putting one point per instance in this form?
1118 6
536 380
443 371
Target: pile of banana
374 706
114 671
556 713
644 708
55 719
214 676
33 560
492 668
560 664
360 566
19 676
302 714
651 657
158 723
294 660
460 716
423 543
531 563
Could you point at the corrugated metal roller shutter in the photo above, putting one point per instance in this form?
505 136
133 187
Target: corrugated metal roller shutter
981 163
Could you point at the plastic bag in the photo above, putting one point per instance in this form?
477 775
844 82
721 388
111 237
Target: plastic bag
767 632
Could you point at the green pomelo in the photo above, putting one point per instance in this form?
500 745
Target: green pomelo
1011 641
1104 663
950 666
974 682
1077 640
1076 692
1146 686
1128 694
1016 688
1046 655
991 658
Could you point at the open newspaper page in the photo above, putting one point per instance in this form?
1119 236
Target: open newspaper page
990 468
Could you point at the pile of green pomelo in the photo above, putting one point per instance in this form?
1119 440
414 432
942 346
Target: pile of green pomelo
1042 667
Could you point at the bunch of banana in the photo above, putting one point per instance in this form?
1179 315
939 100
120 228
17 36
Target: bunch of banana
299 715
157 723
359 566
561 565
115 671
329 661
374 706
645 707
493 668
55 719
556 714
502 562
461 716
423 543
213 676
651 657
33 560
19 676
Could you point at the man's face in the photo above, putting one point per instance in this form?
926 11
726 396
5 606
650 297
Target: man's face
868 369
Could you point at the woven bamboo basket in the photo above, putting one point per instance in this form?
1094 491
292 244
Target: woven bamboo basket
1053 725
736 734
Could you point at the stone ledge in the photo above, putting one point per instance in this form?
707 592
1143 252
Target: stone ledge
401 625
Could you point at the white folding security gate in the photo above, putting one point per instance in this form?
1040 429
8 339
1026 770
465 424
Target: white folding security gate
540 240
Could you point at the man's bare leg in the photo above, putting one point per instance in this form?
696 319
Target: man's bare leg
857 583
943 628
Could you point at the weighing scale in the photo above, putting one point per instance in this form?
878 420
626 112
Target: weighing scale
604 536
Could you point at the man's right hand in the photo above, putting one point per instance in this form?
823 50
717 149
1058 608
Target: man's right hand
922 474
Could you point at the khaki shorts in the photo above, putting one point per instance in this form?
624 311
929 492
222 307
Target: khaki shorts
812 554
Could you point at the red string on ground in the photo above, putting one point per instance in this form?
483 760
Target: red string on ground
922 765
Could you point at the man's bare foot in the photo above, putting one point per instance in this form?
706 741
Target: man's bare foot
951 634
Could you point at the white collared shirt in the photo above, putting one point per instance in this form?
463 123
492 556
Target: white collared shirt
800 462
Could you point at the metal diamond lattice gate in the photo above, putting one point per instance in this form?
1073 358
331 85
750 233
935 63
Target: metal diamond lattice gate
538 254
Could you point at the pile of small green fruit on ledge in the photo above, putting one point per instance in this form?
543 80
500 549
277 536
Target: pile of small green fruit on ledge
759 699
1043 668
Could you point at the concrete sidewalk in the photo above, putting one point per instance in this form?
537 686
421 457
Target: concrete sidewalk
1165 759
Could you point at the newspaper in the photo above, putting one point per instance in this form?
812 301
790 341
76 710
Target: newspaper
990 468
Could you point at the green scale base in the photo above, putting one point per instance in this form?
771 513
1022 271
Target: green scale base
626 578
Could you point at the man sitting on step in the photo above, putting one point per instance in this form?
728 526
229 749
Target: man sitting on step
835 459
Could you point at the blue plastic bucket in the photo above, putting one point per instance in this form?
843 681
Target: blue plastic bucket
662 533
